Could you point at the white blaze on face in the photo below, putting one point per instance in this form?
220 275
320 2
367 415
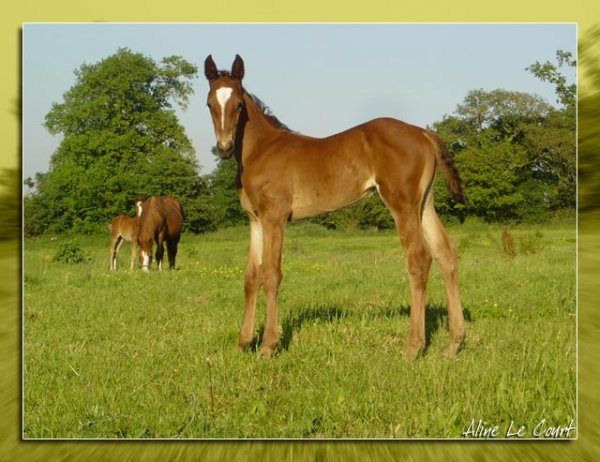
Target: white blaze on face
145 260
139 208
223 95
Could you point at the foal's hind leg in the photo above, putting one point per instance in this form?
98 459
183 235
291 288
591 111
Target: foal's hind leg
443 251
418 263
115 243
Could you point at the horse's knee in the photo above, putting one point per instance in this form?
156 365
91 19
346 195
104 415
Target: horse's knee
447 261
251 280
418 263
450 265
271 278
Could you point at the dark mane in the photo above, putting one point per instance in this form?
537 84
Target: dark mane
150 218
267 112
262 106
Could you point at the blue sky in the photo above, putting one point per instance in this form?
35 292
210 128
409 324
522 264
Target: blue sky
317 78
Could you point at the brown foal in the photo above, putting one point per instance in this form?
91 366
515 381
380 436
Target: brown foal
122 228
284 175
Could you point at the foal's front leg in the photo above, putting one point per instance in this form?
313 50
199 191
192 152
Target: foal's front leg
271 276
251 284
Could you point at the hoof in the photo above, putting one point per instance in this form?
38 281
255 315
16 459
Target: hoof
270 340
244 344
457 343
413 352
268 350
454 348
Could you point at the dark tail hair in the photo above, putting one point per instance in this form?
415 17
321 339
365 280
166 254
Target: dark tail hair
449 172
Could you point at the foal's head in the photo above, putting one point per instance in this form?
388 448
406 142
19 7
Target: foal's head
225 101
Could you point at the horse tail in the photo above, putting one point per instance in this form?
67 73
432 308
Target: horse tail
181 211
449 171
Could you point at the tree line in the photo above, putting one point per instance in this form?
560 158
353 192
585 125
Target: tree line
121 138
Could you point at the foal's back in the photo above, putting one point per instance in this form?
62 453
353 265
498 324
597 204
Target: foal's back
317 175
123 226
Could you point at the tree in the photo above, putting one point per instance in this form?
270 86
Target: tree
552 149
548 72
515 154
550 157
223 197
121 138
502 111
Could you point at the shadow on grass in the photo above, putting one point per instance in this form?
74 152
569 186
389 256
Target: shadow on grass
436 318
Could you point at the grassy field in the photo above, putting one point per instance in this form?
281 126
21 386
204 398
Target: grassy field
134 355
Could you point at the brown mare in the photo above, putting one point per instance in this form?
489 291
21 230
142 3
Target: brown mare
284 176
160 219
123 228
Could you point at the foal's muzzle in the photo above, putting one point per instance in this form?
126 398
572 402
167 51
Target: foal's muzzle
225 149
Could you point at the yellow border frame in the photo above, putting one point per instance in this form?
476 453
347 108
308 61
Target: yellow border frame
583 13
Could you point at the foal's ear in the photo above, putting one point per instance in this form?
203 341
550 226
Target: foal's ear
210 68
237 69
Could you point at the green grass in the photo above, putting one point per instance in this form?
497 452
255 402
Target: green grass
134 355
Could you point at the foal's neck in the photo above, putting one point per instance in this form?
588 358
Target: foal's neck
257 128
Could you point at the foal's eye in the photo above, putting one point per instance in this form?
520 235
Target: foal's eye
240 105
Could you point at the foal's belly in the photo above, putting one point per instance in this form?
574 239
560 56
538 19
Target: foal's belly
315 199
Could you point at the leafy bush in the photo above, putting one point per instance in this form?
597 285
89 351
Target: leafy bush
70 252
